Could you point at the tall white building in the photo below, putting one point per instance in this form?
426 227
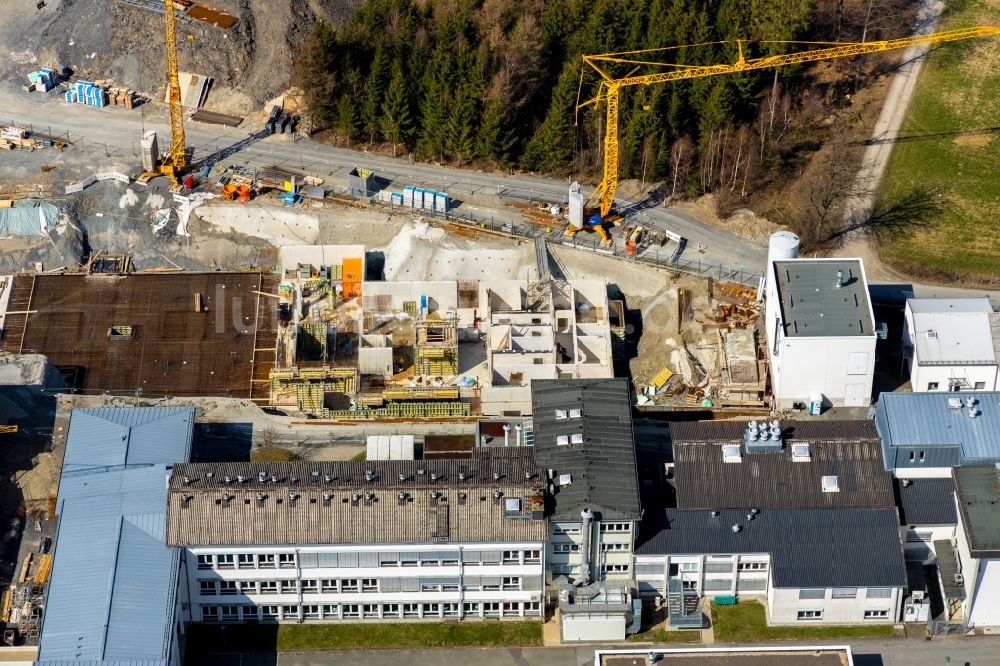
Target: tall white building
820 332
368 540
951 344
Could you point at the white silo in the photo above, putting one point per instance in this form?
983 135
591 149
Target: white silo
781 245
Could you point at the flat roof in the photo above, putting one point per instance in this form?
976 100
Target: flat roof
926 419
111 596
957 331
172 350
337 502
813 306
809 548
779 479
977 489
824 655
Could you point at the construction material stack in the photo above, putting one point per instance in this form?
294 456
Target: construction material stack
12 137
123 97
43 80
88 93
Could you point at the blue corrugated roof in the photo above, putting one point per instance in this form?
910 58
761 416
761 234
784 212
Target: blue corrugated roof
113 436
110 599
924 419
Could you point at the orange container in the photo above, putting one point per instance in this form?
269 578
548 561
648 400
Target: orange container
352 275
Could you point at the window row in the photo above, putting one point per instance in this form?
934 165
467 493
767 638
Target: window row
367 560
870 614
354 585
275 613
846 593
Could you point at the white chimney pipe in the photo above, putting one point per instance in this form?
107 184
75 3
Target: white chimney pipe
517 431
506 434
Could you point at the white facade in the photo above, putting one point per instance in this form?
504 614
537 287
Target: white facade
981 580
949 344
609 549
376 582
749 576
840 368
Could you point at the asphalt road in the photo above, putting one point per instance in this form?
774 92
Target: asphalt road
117 131
975 651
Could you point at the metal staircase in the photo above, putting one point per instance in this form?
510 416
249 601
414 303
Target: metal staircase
682 606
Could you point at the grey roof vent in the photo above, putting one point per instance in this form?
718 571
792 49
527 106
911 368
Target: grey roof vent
497 494
327 478
261 497
274 478
369 495
226 497
461 476
187 479
186 498
954 403
261 477
402 495
209 475
228 479
750 517
369 475
292 495
355 497
328 496
735 528
315 473
830 484
402 477
434 477
241 479
435 494
496 476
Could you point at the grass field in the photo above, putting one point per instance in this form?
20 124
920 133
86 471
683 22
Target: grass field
361 636
950 144
746 621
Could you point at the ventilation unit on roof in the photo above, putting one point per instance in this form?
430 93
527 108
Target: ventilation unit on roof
763 437
561 414
932 335
731 453
562 440
830 484
577 438
565 479
954 403
800 452
576 413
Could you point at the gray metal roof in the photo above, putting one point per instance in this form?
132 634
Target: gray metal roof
808 547
924 419
961 305
977 489
955 331
776 479
813 306
602 468
926 501
113 436
110 599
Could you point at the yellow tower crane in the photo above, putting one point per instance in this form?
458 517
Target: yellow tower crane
176 158
601 200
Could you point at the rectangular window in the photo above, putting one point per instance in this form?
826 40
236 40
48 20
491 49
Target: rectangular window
812 594
432 609
206 587
810 615
350 585
310 612
331 611
613 546
511 609
752 566
532 557
411 610
980 386
718 585
718 567
224 561
932 386
245 560
689 566
877 614
204 561
310 586
288 587
230 613
228 587
351 610
511 583
878 593
565 529
369 585
390 610
470 609
450 610
210 613
532 608
491 609
286 560
751 585
265 561
614 527
369 610
913 456
269 612
845 592
511 557
268 587
614 568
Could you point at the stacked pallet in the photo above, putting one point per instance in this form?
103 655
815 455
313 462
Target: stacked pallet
88 93
123 97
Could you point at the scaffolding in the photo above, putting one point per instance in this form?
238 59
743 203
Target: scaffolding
435 350
311 342
404 410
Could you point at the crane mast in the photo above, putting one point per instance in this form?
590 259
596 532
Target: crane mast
176 159
602 199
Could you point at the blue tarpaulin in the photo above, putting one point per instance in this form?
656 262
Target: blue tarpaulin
27 220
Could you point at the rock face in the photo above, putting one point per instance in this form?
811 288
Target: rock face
109 39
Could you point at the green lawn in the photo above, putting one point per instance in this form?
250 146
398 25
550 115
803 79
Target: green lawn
361 636
660 635
746 622
272 454
949 145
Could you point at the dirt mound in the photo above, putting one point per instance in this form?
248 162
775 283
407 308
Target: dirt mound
108 39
